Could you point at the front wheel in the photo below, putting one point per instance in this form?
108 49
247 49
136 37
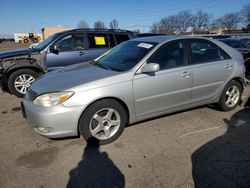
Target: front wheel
230 96
20 80
104 120
25 40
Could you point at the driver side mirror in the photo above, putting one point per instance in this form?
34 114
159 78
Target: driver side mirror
54 49
150 68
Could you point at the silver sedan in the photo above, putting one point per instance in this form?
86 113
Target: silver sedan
137 80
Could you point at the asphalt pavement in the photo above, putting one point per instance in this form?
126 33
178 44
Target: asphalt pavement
201 147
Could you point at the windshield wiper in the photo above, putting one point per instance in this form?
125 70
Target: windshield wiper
102 66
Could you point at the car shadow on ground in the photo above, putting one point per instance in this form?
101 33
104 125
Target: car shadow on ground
225 161
95 169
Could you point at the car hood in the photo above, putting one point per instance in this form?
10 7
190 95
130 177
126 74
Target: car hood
69 77
16 53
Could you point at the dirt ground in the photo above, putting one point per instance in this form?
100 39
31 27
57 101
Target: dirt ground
201 147
5 46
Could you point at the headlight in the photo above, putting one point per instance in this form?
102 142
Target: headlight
52 99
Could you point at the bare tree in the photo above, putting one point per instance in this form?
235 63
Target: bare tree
245 14
137 31
169 25
113 24
201 21
184 20
229 21
83 24
155 28
99 25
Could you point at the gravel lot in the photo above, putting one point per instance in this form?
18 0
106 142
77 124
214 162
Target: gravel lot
201 147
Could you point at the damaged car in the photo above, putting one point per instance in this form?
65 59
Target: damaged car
20 68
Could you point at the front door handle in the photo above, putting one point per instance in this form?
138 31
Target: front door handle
81 53
185 74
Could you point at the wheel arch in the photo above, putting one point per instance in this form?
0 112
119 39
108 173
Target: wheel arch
120 101
240 80
13 69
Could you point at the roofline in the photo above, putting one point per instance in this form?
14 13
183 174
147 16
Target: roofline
95 29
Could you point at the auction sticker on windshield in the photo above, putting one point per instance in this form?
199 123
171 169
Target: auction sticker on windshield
145 45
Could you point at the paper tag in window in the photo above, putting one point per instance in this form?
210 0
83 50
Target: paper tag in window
99 40
145 45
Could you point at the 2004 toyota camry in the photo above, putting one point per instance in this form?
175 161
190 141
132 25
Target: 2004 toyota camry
139 79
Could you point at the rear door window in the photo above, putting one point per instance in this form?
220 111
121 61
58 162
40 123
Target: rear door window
205 51
111 40
121 38
97 40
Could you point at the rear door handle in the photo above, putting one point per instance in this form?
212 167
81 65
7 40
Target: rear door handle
228 66
185 74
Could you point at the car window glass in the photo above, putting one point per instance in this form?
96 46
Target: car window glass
64 44
77 42
70 43
111 40
223 55
204 51
169 56
121 38
98 40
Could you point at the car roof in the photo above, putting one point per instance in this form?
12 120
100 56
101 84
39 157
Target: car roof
230 39
159 39
100 30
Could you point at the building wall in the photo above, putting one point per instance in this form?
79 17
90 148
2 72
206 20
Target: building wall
48 31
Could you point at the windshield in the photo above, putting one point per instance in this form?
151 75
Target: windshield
125 56
46 42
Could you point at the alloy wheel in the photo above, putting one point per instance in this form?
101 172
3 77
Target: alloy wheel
232 96
105 123
23 82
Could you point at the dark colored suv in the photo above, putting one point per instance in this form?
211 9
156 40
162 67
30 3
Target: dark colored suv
18 69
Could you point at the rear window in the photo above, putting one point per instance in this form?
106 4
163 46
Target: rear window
121 38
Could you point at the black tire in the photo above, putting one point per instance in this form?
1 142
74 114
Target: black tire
224 96
35 40
247 65
87 118
25 40
15 75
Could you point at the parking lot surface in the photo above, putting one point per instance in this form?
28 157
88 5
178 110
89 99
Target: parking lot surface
201 147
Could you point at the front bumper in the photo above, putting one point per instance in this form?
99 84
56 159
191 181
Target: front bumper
59 120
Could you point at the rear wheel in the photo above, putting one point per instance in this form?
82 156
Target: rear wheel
104 120
231 96
20 80
35 40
